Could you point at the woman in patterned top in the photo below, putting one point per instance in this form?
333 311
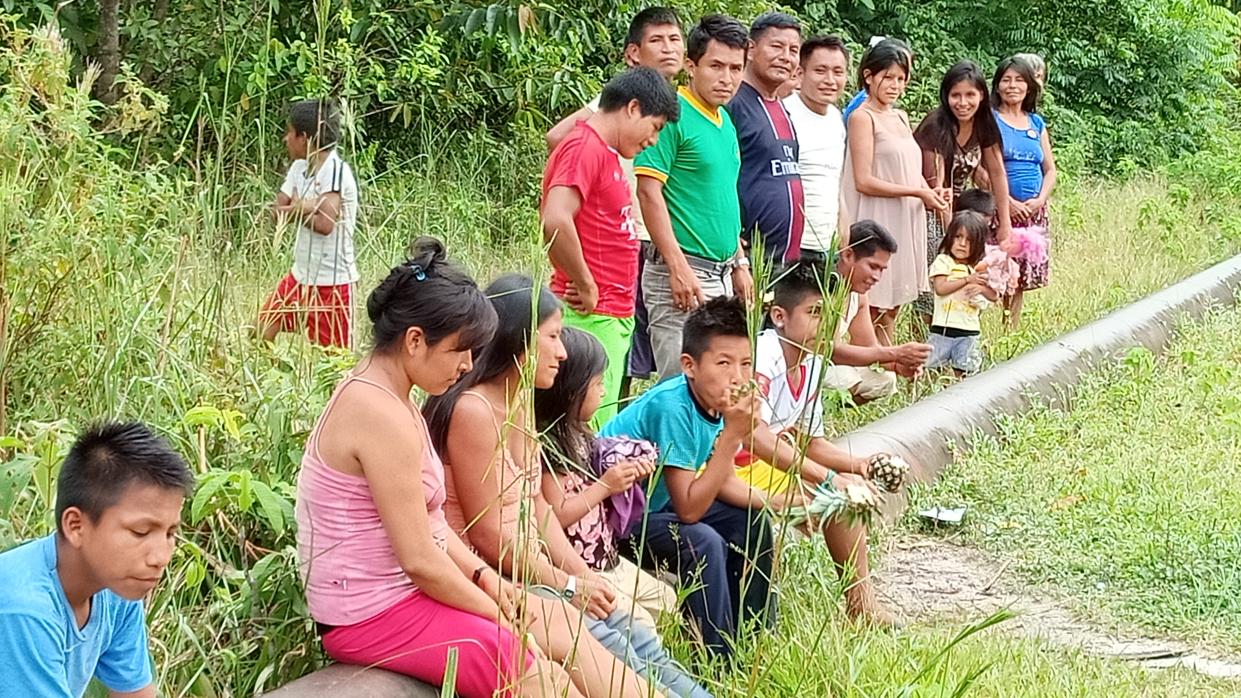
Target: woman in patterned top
957 138
581 501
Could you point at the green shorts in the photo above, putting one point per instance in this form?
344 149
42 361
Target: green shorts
614 334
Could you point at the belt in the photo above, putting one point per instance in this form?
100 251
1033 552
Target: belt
695 262
953 332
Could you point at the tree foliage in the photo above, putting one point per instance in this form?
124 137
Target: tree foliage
1131 81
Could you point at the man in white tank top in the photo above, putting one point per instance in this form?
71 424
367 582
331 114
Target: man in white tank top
862 366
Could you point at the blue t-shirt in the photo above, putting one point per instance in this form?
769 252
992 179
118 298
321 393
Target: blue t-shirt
854 104
1023 157
669 417
43 653
773 204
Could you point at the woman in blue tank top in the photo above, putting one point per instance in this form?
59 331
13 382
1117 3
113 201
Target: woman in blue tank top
1029 165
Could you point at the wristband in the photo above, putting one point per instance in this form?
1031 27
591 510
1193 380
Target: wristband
478 574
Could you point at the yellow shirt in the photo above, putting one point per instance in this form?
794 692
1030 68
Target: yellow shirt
955 309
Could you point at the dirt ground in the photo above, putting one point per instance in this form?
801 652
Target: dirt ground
926 578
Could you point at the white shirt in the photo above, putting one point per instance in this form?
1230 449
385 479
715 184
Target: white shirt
821 140
790 399
627 167
325 260
851 308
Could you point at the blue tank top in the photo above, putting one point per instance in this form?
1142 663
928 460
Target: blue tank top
1023 157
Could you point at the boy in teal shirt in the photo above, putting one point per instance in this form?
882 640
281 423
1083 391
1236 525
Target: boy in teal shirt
702 520
72 608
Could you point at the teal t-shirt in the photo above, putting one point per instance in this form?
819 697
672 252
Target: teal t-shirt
43 652
669 417
699 160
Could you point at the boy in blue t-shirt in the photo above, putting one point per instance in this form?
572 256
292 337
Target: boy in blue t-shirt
72 608
702 520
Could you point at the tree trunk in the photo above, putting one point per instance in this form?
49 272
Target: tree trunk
108 51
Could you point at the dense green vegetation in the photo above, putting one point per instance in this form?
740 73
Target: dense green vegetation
135 249
1132 81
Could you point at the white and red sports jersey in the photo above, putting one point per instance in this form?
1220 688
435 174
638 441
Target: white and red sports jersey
790 399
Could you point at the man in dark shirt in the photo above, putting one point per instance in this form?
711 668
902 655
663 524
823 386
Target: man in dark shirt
769 187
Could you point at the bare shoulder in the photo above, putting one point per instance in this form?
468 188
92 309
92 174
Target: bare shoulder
363 417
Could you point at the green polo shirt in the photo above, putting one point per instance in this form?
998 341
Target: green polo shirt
698 160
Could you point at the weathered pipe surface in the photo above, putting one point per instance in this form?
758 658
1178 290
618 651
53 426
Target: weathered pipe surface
343 681
929 433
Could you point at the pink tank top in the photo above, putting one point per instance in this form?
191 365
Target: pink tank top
347 562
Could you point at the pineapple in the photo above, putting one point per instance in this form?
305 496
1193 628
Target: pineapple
888 472
855 505
741 391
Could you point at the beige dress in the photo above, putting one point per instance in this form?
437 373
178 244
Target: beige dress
897 159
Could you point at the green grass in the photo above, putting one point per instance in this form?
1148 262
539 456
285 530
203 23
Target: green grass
815 651
127 285
1127 501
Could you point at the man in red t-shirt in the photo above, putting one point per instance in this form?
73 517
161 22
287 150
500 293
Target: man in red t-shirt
587 214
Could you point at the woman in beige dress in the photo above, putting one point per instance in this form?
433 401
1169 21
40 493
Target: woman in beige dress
883 181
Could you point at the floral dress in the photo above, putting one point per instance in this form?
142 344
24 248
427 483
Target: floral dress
965 160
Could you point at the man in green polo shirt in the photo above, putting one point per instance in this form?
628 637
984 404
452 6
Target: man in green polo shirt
687 189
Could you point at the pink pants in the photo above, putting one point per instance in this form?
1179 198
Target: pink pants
414 637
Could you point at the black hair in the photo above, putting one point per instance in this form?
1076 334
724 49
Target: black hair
109 457
938 131
975 227
884 55
429 292
814 43
977 200
866 237
650 17
720 28
557 410
1034 91
773 20
807 276
722 316
521 308
317 118
653 93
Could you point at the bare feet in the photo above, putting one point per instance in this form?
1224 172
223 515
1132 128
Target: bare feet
863 608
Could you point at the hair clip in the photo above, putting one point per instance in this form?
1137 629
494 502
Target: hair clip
420 274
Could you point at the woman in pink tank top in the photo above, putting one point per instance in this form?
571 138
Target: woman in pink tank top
387 581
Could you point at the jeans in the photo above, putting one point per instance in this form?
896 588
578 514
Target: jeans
665 320
960 353
639 646
725 559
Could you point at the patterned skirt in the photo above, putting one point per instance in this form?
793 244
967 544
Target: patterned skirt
1036 275
925 305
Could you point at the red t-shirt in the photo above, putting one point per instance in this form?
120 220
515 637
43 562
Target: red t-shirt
604 221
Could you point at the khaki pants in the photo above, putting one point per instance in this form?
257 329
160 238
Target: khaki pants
640 594
864 383
664 320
